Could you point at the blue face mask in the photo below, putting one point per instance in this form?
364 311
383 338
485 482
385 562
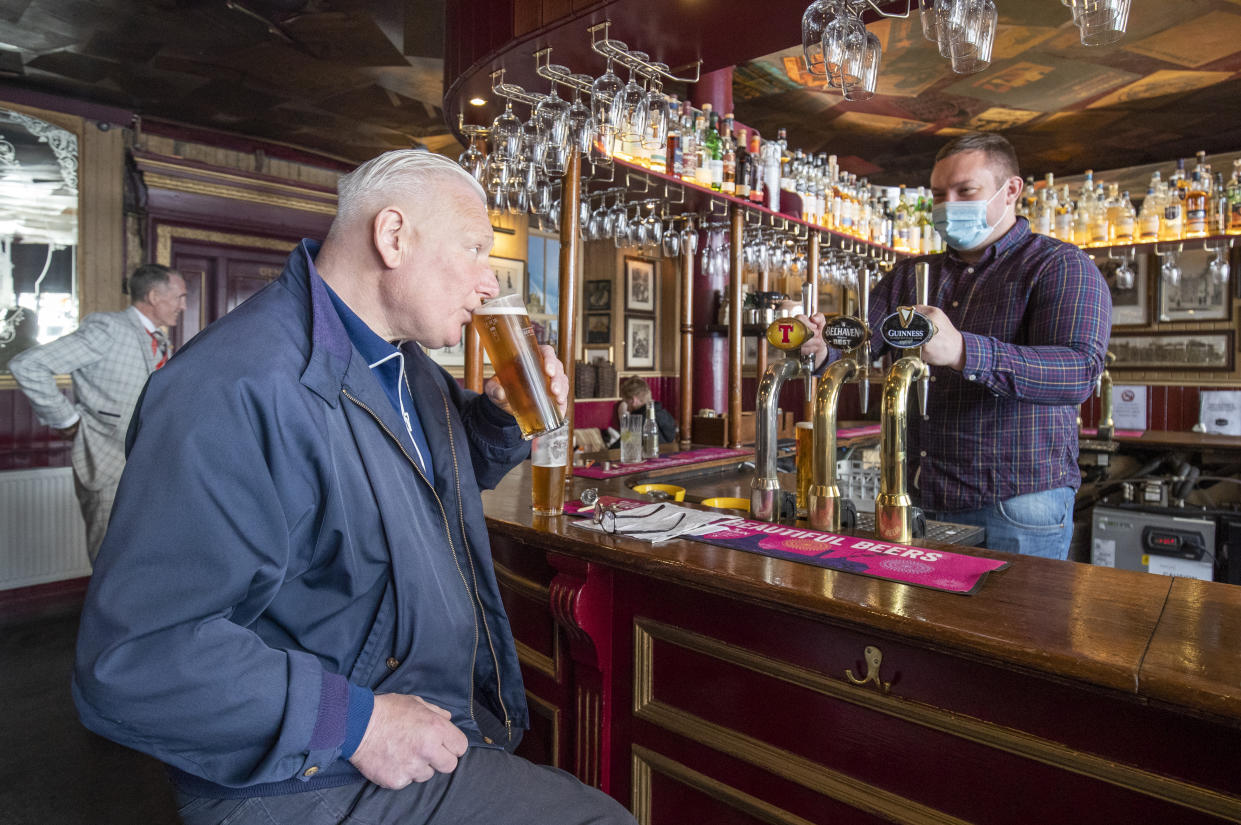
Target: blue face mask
963 224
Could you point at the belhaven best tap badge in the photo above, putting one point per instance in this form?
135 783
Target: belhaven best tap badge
906 328
844 332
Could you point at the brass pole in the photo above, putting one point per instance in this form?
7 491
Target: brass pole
735 331
687 348
570 251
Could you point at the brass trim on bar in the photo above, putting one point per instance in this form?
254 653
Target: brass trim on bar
552 712
646 761
165 234
530 589
222 190
8 382
987 734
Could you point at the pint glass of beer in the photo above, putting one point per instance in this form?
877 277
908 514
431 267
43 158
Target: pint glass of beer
805 463
504 328
548 455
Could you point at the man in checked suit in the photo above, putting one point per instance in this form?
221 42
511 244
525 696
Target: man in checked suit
109 357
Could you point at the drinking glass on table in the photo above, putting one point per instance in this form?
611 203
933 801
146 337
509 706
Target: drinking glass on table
631 439
504 328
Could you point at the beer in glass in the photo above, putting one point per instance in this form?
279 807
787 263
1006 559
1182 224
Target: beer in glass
504 328
548 455
805 463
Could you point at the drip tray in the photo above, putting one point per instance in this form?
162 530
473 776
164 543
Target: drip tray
966 535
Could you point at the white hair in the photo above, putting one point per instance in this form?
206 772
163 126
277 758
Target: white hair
411 172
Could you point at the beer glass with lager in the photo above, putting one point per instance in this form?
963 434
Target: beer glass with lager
504 328
549 453
805 463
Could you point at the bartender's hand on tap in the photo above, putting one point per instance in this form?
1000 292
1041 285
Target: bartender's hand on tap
815 345
408 740
946 348
558 381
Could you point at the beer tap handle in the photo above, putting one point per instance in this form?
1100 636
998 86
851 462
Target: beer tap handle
863 353
922 276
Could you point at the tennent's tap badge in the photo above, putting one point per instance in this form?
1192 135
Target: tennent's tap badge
906 328
844 332
787 334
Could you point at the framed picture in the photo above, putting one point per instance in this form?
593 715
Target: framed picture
1130 301
639 343
598 328
511 274
592 354
1201 294
639 285
1173 351
598 296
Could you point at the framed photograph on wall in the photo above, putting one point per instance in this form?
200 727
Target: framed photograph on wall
598 328
1129 283
639 343
592 354
1173 351
598 296
639 285
1203 292
511 273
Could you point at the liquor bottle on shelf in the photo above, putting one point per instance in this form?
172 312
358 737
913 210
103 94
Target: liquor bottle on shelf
1196 207
1125 224
728 158
1044 221
743 172
714 153
1064 216
1172 227
902 225
1218 213
675 166
771 173
1150 219
1234 199
757 194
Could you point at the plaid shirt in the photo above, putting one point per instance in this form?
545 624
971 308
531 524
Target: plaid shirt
1035 315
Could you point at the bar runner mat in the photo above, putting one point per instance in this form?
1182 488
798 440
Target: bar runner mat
671 460
933 569
1094 431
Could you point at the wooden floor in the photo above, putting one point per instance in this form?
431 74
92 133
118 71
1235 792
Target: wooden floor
53 771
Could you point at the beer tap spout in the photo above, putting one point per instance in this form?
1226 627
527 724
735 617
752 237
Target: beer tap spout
896 518
827 509
767 501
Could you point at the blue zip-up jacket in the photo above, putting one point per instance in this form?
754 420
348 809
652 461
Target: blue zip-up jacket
273 542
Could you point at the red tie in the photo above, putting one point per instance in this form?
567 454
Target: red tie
159 346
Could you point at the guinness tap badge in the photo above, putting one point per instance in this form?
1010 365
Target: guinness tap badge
906 328
844 332
787 334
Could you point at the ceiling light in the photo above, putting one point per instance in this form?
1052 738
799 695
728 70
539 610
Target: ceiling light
478 101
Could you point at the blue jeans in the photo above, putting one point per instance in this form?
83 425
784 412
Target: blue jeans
1034 524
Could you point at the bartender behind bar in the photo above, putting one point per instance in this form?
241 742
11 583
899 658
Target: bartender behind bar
1022 324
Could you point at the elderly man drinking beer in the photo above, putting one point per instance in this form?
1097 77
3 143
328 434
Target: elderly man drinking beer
320 637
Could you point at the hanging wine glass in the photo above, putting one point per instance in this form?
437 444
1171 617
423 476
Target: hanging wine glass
629 107
813 21
603 94
553 114
506 134
583 127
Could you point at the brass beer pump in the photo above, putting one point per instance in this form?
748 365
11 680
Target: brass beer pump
767 501
896 518
826 509
1107 428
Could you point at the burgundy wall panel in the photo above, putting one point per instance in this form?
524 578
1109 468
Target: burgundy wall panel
24 442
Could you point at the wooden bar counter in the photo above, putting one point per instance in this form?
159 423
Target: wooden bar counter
702 684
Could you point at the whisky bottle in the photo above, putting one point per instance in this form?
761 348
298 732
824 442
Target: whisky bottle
1151 217
744 173
1234 199
1125 224
1196 207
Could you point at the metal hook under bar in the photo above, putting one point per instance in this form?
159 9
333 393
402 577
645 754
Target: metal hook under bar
1168 250
668 198
510 91
646 182
619 51
882 13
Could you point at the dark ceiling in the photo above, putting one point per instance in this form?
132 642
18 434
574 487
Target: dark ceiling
351 78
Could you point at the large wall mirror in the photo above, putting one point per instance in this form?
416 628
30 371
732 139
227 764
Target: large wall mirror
39 209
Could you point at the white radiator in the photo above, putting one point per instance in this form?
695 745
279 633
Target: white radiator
42 536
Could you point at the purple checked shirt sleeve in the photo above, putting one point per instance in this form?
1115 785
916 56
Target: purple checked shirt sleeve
1066 336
